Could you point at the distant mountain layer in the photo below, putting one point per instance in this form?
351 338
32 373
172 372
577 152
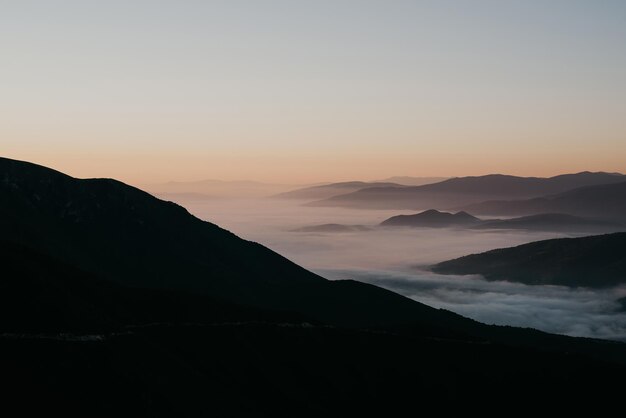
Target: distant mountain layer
338 228
461 191
602 201
432 218
544 222
595 261
328 190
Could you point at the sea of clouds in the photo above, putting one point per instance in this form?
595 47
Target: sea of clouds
397 259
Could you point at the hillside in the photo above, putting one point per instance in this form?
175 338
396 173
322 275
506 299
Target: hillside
132 238
594 261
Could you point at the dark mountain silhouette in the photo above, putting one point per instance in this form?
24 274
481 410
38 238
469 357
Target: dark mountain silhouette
465 190
117 303
552 222
132 238
332 228
328 190
594 261
602 201
432 218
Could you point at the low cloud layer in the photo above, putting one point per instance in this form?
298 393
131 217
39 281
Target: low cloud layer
561 310
391 258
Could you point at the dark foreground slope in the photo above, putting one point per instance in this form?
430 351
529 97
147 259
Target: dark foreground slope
595 261
74 344
268 370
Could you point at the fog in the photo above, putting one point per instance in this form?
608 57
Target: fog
396 259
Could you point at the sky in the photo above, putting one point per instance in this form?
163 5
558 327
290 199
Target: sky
307 91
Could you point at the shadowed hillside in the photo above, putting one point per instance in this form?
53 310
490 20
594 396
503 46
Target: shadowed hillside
596 261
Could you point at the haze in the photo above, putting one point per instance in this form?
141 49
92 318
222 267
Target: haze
302 92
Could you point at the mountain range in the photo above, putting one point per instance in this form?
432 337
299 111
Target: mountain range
457 192
324 191
606 201
544 222
117 303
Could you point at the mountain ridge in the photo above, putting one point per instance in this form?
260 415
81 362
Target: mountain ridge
604 201
460 191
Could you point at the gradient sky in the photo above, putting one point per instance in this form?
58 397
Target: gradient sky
305 91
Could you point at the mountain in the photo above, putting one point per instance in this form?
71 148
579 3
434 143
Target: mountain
328 190
333 228
606 201
433 219
552 222
127 236
412 181
115 303
594 261
462 191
